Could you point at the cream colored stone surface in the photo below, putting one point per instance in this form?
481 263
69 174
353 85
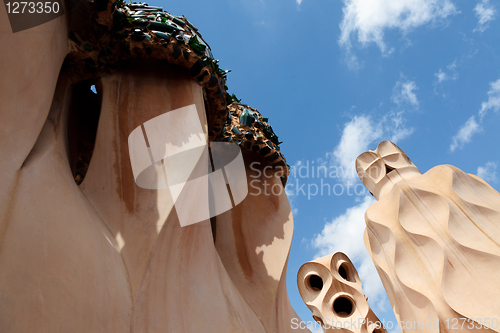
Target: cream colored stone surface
331 288
434 239
30 61
109 256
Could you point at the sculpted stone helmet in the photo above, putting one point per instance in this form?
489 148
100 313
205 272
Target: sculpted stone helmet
83 247
385 166
106 36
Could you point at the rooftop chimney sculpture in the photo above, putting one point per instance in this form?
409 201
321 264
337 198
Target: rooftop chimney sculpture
435 241
331 288
83 248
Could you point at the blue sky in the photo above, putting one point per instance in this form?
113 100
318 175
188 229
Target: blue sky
336 77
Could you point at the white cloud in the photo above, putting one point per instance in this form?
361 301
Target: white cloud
441 76
404 92
485 13
356 137
345 233
292 196
471 127
299 2
488 172
369 19
361 132
493 99
450 74
465 133
395 126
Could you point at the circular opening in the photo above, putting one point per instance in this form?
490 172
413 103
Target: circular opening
343 272
343 306
316 282
318 320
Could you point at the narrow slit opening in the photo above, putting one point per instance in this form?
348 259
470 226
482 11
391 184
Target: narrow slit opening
388 169
82 127
318 320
